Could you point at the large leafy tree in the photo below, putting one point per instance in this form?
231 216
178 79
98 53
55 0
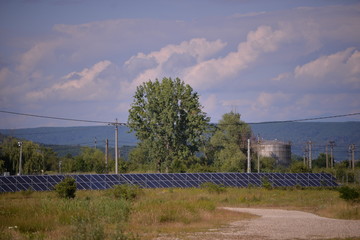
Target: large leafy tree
167 118
230 140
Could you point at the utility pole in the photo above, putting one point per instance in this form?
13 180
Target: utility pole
95 142
258 154
352 149
116 147
106 155
116 124
349 155
332 145
305 155
20 158
60 163
248 160
326 155
310 154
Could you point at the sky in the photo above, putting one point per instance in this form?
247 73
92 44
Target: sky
267 60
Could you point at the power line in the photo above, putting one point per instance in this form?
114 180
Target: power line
56 118
111 123
308 119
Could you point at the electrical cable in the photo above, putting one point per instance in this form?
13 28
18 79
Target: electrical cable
56 118
308 119
103 122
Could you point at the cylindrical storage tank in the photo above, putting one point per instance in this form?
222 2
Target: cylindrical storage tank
280 151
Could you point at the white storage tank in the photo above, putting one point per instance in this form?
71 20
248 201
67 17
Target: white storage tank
280 151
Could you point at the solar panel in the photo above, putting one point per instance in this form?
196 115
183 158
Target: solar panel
166 180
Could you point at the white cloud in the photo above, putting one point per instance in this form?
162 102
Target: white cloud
84 85
171 60
340 70
343 63
215 71
282 76
83 78
250 14
40 52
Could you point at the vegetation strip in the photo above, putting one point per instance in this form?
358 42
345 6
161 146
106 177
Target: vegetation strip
133 213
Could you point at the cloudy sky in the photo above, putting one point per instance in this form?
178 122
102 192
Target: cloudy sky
267 60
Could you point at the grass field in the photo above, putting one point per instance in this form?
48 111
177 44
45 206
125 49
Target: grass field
154 212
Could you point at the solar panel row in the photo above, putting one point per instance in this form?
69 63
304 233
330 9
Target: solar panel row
165 180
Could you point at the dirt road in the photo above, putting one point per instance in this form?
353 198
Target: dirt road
284 224
277 224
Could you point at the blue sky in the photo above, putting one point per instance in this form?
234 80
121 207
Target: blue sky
267 60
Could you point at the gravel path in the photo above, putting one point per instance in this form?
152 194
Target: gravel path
278 224
284 224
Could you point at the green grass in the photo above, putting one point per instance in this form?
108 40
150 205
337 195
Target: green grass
43 214
155 212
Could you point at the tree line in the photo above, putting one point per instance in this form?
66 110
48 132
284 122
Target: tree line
38 159
174 133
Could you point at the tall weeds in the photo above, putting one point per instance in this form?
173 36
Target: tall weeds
92 215
103 215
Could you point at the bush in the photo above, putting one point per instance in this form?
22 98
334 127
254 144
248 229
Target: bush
126 191
66 188
349 194
213 188
266 183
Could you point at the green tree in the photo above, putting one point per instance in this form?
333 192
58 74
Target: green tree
139 159
267 164
230 158
35 158
51 160
167 118
90 160
230 141
299 167
2 166
10 155
68 163
320 162
34 161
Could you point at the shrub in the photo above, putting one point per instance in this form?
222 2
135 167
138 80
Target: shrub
266 183
213 188
66 188
126 191
349 194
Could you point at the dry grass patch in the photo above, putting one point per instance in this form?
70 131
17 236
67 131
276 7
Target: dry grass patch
178 211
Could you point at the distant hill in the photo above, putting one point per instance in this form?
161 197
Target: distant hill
84 136
320 133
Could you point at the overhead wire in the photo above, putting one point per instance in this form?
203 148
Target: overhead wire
308 119
57 118
111 123
119 123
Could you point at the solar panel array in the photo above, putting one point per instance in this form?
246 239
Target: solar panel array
166 180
